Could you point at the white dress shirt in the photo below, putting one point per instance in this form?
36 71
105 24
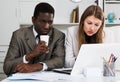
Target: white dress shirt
72 44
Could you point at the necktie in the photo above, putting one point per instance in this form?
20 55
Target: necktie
38 38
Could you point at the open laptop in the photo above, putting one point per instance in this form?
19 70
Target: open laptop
90 55
63 70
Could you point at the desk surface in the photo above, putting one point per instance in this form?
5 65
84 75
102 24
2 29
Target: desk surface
70 78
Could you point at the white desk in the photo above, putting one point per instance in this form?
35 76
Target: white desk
69 78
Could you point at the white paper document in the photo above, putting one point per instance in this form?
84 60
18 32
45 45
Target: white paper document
40 76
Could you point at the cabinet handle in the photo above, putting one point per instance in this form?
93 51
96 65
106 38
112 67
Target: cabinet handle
2 51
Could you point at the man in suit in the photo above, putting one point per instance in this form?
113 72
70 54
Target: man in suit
27 54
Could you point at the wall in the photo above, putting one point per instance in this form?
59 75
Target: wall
63 9
8 20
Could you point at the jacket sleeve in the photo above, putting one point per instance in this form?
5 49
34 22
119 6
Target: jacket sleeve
12 58
57 52
70 55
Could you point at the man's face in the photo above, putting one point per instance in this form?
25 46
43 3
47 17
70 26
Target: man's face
43 23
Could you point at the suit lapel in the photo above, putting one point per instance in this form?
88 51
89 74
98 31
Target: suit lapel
51 36
30 38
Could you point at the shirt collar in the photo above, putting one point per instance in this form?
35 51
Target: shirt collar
34 32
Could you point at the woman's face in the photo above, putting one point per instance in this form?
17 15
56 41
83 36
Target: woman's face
91 25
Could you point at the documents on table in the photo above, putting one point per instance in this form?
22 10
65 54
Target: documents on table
42 76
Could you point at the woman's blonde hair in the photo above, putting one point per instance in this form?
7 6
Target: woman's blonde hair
97 12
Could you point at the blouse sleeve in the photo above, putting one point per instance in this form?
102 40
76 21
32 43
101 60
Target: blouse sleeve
70 55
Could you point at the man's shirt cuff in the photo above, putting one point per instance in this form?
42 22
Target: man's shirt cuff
24 60
45 67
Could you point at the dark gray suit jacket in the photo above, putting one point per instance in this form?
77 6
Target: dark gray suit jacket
23 42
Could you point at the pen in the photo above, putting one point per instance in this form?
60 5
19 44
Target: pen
115 58
111 58
104 59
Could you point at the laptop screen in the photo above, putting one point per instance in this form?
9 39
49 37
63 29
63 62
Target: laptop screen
90 55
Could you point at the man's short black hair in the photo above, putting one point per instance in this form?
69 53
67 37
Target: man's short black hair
43 8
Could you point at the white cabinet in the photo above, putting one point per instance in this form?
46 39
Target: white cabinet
8 20
112 13
3 51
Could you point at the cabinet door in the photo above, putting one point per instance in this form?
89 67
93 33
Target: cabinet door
3 51
8 20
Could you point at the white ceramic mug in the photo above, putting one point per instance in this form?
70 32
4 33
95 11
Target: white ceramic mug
45 38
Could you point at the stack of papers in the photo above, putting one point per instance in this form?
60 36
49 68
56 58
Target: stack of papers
40 76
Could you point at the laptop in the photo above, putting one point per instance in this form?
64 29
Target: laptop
90 55
63 70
